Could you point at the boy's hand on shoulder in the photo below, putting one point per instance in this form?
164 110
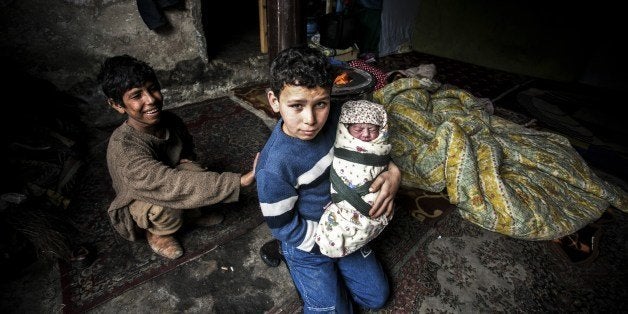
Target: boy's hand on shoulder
249 177
387 183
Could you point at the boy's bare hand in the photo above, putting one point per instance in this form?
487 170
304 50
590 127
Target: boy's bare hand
249 177
387 183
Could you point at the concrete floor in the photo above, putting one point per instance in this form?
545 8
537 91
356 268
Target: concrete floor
208 283
229 279
201 285
249 288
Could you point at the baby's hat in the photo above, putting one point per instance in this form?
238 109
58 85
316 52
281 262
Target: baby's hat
363 111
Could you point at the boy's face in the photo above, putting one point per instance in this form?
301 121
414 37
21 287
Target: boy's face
365 132
142 106
304 110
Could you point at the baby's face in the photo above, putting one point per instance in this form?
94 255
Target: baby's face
364 131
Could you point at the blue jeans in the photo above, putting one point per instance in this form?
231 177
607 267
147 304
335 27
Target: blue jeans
323 282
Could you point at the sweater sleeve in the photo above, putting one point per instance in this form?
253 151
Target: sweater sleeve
277 200
154 182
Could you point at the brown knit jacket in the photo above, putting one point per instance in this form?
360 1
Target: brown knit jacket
144 167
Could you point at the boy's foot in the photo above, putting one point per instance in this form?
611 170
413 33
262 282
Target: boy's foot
164 245
271 253
208 220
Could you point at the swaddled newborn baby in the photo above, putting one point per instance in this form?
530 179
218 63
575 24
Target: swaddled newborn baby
361 152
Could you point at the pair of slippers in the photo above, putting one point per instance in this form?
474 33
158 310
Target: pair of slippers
582 247
426 207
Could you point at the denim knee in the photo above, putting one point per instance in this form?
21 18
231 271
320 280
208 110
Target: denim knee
376 302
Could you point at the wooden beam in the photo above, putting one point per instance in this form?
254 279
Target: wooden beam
263 26
329 6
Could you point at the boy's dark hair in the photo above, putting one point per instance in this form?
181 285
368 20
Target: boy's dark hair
300 66
118 74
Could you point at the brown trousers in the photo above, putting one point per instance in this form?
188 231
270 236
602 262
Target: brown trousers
158 220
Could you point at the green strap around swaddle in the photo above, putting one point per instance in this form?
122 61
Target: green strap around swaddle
360 158
354 196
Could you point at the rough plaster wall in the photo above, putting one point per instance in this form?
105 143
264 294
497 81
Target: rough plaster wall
65 41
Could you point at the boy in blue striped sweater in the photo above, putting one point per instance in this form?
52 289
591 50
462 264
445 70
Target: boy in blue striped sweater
293 187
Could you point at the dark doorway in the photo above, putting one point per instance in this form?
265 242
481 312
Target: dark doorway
231 28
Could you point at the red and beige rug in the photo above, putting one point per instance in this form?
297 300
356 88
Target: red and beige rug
226 137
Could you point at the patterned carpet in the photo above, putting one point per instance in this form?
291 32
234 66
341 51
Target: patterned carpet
481 81
440 263
256 96
227 138
448 265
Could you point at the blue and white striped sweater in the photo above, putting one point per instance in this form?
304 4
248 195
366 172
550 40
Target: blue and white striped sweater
293 184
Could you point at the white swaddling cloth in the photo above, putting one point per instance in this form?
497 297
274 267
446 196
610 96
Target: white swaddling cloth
343 228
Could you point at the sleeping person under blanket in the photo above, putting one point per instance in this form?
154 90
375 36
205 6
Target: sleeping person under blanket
361 152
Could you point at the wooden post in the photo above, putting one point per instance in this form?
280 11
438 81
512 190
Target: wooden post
286 25
263 26
329 6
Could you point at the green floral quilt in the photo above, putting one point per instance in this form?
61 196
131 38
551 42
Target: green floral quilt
502 176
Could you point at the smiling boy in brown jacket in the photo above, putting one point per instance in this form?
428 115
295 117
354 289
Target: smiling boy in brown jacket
150 158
